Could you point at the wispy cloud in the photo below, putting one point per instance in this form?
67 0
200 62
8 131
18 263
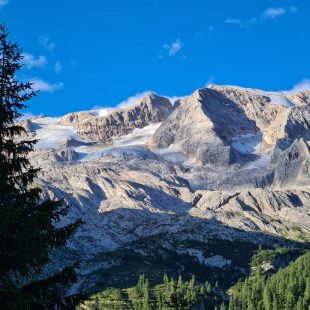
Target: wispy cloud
100 110
205 32
133 99
46 42
235 21
174 47
269 13
58 67
273 13
210 81
301 86
43 86
31 61
4 3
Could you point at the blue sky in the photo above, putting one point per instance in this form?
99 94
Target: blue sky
83 54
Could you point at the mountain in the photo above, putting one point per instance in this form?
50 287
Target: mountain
226 162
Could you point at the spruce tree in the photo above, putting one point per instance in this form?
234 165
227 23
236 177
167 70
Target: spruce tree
177 300
28 226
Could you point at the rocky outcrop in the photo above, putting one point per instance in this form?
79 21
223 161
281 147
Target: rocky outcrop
266 210
76 118
300 98
293 166
211 118
150 109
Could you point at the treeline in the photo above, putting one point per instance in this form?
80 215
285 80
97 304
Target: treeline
288 289
171 294
264 289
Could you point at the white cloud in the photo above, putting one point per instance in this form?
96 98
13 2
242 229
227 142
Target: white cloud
31 61
99 110
235 21
173 99
47 42
43 86
58 67
301 86
273 12
269 13
133 99
210 81
174 47
4 2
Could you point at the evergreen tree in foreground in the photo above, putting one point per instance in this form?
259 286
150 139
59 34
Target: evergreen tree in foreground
27 225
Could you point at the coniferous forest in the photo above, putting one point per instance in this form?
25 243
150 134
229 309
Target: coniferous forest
264 289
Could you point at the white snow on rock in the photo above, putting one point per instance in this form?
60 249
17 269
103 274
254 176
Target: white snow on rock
139 136
172 154
137 151
50 134
248 144
278 98
127 145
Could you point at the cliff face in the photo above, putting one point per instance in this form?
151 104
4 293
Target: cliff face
208 125
150 109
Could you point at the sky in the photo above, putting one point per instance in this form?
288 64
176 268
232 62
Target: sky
102 53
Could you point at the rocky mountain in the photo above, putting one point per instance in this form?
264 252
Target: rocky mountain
232 161
150 109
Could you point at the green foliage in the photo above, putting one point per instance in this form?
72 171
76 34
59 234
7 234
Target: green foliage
173 294
27 225
287 289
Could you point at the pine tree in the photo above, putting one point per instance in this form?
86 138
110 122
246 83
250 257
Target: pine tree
146 295
209 288
27 226
166 279
177 300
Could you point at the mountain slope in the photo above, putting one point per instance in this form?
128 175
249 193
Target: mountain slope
232 161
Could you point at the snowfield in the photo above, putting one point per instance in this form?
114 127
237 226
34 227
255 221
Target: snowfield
50 134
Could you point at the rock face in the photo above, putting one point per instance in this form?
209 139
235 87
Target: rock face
228 160
214 117
76 118
205 125
150 109
293 165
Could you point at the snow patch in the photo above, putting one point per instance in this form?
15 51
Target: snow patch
172 154
139 136
248 144
139 152
50 134
278 98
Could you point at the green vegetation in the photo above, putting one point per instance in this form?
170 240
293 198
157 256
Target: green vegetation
278 280
27 224
288 289
171 294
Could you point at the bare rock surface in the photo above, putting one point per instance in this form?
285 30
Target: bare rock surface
149 109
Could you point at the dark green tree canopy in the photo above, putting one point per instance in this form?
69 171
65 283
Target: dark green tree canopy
28 226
